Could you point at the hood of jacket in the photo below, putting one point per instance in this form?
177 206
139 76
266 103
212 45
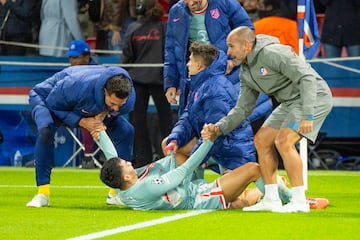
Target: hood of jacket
217 67
261 42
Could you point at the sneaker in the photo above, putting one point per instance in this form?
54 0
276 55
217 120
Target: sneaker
40 200
264 205
292 207
87 163
114 200
318 203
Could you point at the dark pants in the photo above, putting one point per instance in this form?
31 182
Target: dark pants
12 50
88 141
143 146
119 129
102 40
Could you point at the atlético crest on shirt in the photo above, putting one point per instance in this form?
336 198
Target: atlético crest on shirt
215 13
263 71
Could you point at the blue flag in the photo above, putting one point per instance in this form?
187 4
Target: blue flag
308 28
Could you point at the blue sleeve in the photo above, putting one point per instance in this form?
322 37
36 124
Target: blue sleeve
238 16
61 103
182 132
37 99
171 75
42 90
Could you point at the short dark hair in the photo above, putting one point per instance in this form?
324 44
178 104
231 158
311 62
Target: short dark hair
85 54
111 173
204 52
153 10
119 85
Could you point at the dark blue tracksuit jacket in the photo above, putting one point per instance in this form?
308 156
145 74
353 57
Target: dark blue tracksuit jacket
70 95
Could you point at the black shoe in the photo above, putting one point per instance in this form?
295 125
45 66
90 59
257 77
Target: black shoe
87 163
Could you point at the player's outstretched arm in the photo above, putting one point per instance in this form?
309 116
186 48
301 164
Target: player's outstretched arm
176 176
107 146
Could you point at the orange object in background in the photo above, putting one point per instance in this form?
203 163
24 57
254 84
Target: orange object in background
284 29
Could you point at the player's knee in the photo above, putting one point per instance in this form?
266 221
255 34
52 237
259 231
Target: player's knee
254 169
45 135
131 130
248 197
241 201
127 131
260 141
283 143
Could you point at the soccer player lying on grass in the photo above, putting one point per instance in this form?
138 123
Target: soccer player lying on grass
164 185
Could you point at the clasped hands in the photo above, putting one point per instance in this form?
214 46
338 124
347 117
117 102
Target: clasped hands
210 132
94 124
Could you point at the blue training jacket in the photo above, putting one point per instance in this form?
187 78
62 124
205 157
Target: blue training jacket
221 17
211 97
75 92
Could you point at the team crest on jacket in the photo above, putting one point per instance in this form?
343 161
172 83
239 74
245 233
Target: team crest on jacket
215 13
263 71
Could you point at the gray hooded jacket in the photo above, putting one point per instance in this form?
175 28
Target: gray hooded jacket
274 69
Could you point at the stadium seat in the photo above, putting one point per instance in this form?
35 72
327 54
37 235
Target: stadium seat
79 147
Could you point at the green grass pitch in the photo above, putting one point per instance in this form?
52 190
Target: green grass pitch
78 211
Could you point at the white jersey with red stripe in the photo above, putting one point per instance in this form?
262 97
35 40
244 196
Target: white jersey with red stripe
157 190
164 185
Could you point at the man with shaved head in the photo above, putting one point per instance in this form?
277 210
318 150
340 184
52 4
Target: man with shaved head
305 100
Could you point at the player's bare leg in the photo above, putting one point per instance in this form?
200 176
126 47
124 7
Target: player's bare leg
264 143
248 197
235 182
265 146
285 143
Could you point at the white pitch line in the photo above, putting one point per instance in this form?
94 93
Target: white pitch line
139 225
